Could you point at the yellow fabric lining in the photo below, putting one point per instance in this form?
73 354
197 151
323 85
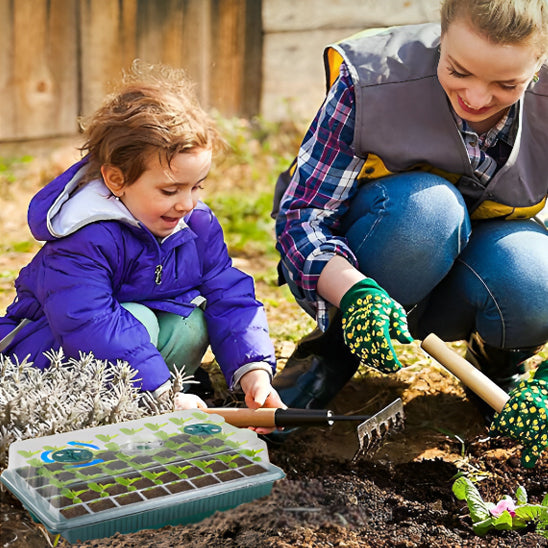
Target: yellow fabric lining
334 62
491 210
373 168
334 59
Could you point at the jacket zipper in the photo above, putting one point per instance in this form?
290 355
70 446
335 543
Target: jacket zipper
158 274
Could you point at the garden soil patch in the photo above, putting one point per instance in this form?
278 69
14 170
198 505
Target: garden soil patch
399 496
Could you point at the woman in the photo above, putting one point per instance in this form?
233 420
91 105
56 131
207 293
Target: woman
417 183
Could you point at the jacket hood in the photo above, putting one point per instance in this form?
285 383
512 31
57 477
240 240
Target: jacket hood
62 207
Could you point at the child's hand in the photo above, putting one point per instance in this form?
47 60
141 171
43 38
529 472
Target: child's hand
188 401
258 390
259 393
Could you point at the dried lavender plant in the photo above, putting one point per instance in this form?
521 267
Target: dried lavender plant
70 395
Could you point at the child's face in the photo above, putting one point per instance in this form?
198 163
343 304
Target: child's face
161 196
480 78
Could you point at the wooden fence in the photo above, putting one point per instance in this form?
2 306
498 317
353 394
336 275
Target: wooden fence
58 58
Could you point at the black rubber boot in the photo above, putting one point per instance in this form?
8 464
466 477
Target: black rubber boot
316 371
503 367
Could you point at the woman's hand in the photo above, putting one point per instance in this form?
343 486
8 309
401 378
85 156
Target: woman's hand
524 418
371 319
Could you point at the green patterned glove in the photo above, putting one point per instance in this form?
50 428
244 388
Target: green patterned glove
370 320
524 418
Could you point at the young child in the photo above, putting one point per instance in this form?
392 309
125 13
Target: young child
412 202
134 266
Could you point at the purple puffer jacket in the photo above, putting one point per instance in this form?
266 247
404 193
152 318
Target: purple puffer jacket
97 256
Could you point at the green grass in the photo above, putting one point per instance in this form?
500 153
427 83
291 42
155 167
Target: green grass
246 222
9 170
241 184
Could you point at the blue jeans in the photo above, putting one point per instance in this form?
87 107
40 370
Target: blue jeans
411 233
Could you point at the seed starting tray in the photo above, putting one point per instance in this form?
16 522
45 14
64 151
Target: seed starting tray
144 474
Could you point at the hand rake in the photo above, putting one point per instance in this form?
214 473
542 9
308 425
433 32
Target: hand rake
371 431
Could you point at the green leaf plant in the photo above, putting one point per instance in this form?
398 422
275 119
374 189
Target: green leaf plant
506 514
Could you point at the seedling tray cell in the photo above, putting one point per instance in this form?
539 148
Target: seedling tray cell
171 469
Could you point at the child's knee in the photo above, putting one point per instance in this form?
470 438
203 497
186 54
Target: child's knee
183 341
147 317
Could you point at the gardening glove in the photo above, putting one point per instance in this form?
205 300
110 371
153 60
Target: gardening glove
370 320
524 417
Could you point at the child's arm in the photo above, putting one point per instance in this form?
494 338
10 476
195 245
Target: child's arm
236 322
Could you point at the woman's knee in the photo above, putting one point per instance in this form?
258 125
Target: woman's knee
406 231
416 198
507 265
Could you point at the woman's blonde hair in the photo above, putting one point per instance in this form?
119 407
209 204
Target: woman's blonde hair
502 21
155 110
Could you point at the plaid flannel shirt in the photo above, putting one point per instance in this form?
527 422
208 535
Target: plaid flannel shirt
326 180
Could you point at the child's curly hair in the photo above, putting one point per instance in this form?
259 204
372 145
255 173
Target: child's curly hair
154 110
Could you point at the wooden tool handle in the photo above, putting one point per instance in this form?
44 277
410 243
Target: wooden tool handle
272 417
472 377
243 417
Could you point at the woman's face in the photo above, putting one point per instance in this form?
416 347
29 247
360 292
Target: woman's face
482 79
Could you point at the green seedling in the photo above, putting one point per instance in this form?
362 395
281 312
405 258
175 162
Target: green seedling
252 453
29 454
204 465
178 470
127 482
229 459
126 458
163 460
46 472
505 514
196 440
154 427
130 431
100 488
187 454
72 495
106 437
153 476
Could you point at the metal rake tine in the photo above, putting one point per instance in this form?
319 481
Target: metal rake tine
373 431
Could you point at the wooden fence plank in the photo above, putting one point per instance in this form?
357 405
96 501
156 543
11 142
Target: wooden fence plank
59 58
310 15
236 56
108 45
38 86
176 33
196 46
218 42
